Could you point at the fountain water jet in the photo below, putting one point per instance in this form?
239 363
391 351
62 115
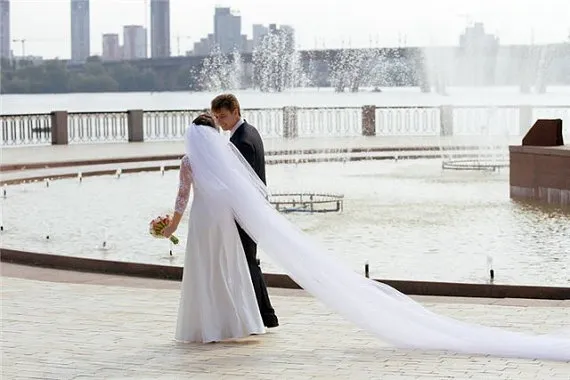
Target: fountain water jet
480 61
221 72
490 269
105 243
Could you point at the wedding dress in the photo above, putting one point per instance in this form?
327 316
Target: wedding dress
375 307
217 300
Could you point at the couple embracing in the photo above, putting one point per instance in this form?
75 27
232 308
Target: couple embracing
224 295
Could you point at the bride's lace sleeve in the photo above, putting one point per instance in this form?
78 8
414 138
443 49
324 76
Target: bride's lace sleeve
184 185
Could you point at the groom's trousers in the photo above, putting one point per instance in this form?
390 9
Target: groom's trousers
265 308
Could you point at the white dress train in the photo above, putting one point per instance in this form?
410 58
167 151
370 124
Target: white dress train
217 299
375 307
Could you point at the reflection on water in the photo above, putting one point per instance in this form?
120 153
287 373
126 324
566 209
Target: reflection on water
409 220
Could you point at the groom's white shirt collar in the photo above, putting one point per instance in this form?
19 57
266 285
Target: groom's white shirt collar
236 126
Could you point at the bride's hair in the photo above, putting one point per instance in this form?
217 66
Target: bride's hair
205 119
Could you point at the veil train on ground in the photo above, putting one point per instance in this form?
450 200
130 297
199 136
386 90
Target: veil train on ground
373 306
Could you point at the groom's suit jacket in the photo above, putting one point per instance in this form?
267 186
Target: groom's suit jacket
248 141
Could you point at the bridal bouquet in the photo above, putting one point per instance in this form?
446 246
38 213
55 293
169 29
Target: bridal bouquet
157 226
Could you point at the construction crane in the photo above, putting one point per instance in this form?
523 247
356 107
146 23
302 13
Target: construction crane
34 40
178 37
23 42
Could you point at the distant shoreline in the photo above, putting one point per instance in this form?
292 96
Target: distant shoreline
304 97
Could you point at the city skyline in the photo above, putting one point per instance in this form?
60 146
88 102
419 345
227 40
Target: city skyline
328 26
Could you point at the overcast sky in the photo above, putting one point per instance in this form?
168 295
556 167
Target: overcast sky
323 23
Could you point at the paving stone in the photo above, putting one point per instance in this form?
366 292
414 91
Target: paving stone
95 330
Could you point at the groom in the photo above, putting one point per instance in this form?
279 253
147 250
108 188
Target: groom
247 140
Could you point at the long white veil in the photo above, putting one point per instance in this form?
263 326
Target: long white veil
373 306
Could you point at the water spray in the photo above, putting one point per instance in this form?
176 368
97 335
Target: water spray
105 238
490 268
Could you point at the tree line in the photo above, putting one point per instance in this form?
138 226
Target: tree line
56 76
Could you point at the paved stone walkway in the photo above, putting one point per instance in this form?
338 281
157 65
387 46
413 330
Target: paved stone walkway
67 325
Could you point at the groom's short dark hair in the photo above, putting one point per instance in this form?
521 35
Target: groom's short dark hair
227 101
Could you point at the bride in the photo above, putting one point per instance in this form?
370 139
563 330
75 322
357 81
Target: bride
217 300
230 189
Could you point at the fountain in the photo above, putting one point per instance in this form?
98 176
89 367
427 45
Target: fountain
277 63
466 74
307 202
490 269
491 151
221 72
439 65
480 60
409 219
375 68
46 227
276 66
105 240
401 232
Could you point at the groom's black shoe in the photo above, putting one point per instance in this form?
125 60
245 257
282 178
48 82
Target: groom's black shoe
270 321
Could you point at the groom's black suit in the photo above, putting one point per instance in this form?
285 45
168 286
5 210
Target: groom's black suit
248 141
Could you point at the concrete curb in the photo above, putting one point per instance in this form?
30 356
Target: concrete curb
269 154
167 272
155 167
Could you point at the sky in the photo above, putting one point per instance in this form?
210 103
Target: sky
45 24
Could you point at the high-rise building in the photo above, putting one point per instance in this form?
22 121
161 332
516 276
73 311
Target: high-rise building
111 47
160 28
259 31
227 30
5 28
475 38
134 42
204 46
80 30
